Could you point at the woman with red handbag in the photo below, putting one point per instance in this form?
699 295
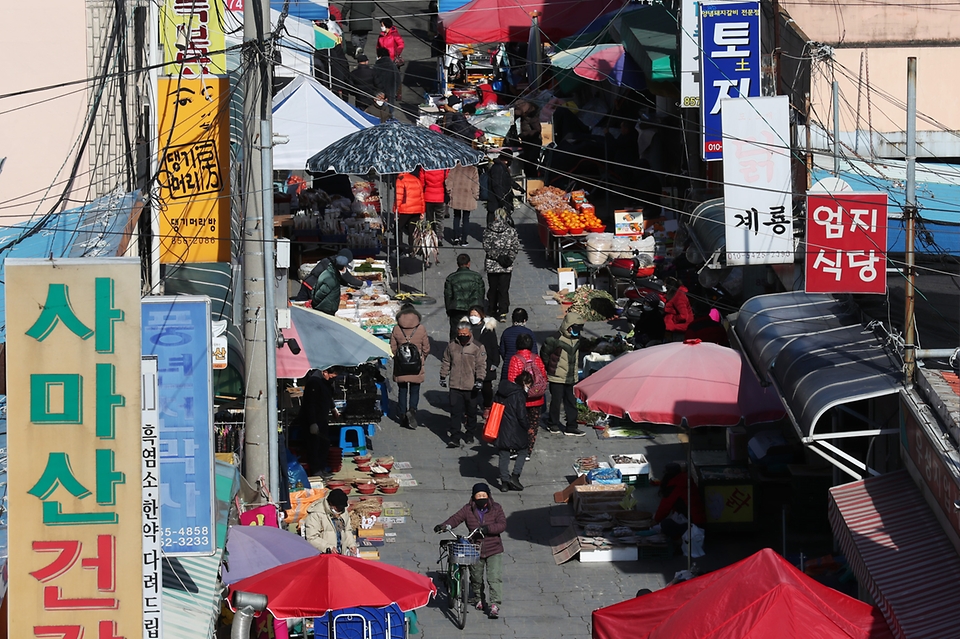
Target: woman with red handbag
513 437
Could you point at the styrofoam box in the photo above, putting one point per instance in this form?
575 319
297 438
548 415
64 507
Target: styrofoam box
617 553
642 467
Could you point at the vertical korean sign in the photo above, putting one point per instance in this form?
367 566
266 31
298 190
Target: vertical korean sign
194 134
846 243
757 192
73 330
177 330
729 64
150 514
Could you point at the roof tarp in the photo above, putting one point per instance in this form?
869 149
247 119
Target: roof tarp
760 597
312 118
708 229
510 21
649 37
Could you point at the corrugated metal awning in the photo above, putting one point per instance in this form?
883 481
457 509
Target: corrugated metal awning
708 230
896 548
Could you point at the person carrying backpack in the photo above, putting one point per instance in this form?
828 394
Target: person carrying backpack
525 361
410 346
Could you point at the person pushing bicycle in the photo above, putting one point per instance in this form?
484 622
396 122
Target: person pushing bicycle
483 514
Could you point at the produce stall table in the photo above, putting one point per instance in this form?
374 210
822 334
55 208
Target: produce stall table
556 242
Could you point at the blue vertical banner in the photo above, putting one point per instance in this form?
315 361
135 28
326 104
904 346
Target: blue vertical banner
177 330
729 64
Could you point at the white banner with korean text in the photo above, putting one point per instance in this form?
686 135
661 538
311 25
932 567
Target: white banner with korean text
150 484
758 213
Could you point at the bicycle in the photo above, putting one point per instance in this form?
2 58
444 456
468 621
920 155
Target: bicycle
458 553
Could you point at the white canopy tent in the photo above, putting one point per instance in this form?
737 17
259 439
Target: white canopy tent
296 42
312 117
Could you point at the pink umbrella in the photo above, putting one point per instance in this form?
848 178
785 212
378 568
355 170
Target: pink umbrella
692 382
603 64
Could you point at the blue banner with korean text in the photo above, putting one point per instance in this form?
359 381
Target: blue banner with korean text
177 330
729 64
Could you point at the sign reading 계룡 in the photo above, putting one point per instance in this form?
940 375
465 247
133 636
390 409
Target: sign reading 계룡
194 170
74 446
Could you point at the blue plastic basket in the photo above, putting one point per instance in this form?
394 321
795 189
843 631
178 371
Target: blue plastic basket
466 553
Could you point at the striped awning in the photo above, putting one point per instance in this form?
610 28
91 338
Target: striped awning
899 553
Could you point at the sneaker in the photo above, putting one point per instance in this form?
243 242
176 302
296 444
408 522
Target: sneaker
464 242
503 319
576 432
513 455
494 611
504 485
528 457
514 483
411 417
479 606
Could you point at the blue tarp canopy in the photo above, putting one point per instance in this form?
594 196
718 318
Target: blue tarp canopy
305 9
99 229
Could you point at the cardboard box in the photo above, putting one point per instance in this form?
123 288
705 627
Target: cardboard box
617 553
533 185
598 498
546 133
375 532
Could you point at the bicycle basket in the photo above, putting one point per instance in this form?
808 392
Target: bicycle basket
466 553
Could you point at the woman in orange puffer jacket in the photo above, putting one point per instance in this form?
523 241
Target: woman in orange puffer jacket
409 203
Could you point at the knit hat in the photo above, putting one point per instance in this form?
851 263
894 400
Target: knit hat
362 58
477 488
338 499
453 101
341 261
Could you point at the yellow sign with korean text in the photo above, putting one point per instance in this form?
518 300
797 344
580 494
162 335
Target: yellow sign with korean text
74 443
728 504
193 39
194 173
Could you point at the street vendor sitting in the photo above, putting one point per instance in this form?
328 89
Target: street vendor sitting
672 512
327 526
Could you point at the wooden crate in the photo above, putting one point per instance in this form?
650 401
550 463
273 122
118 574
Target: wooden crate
598 498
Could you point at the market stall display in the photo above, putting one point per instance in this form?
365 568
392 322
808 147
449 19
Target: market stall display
338 221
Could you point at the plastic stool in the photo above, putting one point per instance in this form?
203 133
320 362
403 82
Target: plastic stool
360 434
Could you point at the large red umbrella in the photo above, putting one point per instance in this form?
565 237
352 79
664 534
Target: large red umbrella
699 383
314 586
761 596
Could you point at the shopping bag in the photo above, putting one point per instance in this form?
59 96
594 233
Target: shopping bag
492 428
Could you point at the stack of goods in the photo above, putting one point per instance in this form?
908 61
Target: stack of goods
369 307
336 219
565 213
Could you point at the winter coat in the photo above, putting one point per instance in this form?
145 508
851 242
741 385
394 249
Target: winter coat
561 353
485 334
462 289
463 187
358 15
382 111
456 124
508 344
326 294
518 364
513 424
386 77
706 330
493 518
677 311
500 188
361 79
409 329
409 197
319 529
500 239
317 400
529 114
464 365
433 186
678 491
392 42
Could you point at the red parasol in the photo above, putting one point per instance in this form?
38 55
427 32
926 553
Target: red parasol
314 586
696 382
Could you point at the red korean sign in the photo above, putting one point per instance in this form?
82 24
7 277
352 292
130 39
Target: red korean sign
846 243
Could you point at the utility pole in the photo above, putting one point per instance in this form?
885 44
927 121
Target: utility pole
909 219
259 309
836 129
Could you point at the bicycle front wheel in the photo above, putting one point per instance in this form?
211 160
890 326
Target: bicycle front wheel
462 598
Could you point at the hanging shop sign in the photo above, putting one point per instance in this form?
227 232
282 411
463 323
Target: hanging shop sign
192 37
177 330
194 173
689 54
74 448
729 64
758 214
846 250
150 485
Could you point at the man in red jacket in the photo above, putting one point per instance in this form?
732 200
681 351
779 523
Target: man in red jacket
435 195
483 514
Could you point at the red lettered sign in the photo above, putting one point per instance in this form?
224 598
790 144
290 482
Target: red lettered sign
846 243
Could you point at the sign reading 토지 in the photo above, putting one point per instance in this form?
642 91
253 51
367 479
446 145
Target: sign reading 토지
729 64
177 330
74 438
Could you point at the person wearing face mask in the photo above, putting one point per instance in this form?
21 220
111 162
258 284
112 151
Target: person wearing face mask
485 334
465 365
508 339
327 526
561 358
513 438
484 514
391 40
526 362
379 108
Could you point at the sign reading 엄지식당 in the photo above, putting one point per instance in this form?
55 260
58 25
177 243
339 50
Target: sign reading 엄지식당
846 249
74 446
